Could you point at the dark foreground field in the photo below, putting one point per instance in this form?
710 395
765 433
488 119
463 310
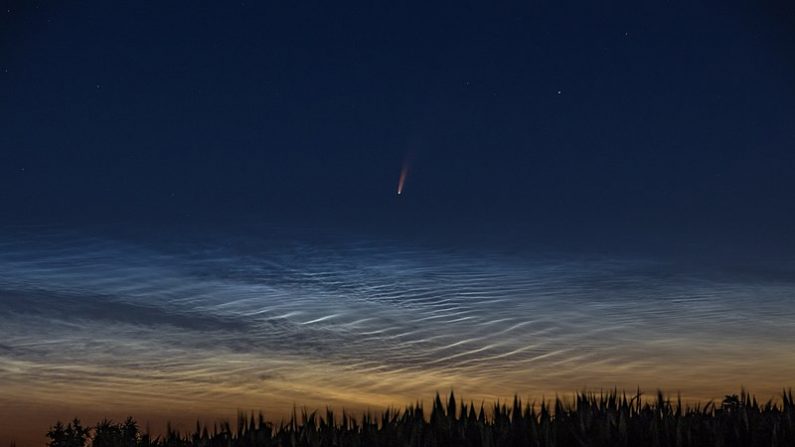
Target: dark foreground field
589 420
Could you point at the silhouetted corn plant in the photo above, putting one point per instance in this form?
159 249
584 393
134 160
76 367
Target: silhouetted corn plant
604 419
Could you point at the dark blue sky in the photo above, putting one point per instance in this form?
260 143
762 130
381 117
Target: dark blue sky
629 124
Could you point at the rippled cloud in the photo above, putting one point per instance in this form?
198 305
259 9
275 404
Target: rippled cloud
196 328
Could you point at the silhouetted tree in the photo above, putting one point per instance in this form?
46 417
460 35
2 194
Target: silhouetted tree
71 435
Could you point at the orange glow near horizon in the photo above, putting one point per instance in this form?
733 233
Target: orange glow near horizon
182 397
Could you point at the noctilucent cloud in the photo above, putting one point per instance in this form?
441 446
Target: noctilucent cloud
208 208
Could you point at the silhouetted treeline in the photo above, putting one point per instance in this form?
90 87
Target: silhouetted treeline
590 420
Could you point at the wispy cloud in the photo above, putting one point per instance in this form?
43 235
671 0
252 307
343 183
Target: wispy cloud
366 324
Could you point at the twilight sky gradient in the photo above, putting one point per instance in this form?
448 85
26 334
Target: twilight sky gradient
198 208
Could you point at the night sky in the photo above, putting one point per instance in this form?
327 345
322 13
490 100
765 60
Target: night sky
201 199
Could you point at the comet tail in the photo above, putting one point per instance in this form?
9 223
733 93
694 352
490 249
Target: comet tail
402 180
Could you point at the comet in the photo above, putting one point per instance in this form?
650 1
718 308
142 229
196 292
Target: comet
402 180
